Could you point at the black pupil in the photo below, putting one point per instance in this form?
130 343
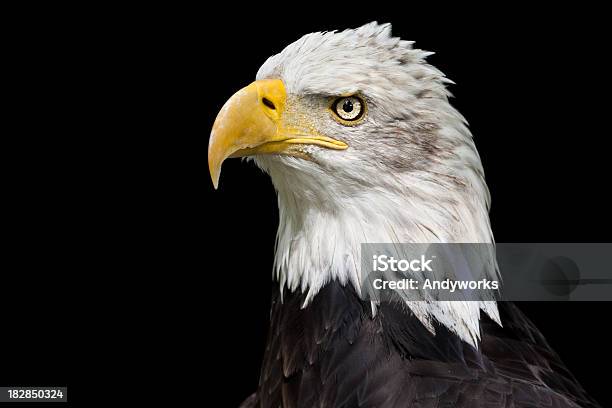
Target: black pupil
347 106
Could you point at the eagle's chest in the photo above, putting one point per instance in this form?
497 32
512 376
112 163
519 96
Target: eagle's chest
333 353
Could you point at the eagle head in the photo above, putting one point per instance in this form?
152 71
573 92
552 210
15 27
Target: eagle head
357 134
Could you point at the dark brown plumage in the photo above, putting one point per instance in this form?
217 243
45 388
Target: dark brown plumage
334 354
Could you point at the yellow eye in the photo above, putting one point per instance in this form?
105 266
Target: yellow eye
349 108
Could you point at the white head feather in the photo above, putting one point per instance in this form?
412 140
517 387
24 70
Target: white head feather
411 173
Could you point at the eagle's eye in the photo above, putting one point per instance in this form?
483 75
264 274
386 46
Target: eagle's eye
349 108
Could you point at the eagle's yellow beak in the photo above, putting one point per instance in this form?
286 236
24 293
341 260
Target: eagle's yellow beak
251 122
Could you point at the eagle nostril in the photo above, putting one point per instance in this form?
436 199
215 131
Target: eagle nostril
268 103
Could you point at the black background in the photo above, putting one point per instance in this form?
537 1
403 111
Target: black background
124 266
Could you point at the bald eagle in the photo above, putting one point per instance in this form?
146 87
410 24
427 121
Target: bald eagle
357 134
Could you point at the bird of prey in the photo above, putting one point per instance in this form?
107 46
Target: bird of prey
358 136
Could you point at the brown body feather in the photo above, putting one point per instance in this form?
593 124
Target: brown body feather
334 354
